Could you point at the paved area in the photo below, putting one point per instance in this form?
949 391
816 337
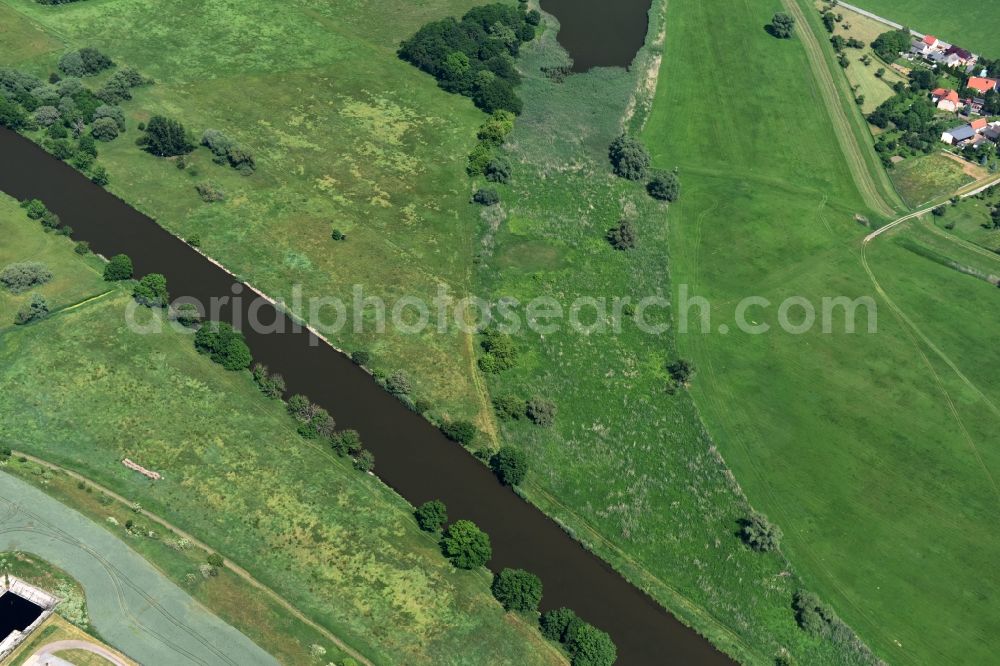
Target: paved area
132 605
46 655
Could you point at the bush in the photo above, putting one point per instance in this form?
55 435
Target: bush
338 235
500 352
361 357
486 197
517 590
226 151
431 515
47 115
34 209
664 186
629 158
12 115
510 465
622 237
210 192
85 62
758 533
541 411
82 247
365 461
165 137
99 176
224 345
20 277
347 442
498 170
115 113
271 385
466 545
151 291
555 624
509 407
589 646
104 129
681 371
216 560
398 383
119 268
463 432
35 309
812 615
479 159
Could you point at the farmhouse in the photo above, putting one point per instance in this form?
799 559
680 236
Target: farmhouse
937 52
946 100
959 136
982 85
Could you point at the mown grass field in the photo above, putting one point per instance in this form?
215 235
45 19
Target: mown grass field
345 134
83 391
848 441
964 22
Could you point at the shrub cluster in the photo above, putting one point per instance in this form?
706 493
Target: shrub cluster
474 57
461 431
35 309
622 237
629 158
818 619
431 515
270 384
499 353
119 268
224 345
151 291
85 62
20 277
119 87
586 644
227 151
36 210
314 421
759 533
491 135
664 186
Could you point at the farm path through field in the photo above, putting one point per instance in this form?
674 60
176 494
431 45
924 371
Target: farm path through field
46 654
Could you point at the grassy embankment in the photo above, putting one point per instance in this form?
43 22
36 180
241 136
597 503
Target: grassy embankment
81 390
963 22
866 449
345 134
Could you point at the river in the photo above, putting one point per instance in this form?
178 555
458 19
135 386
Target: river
412 456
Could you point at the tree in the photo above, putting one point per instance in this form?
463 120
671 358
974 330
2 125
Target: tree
47 115
270 384
216 560
758 533
34 209
589 646
510 464
12 115
20 277
431 515
629 158
35 309
115 113
104 129
541 411
498 170
940 211
347 442
165 137
681 371
509 407
224 345
361 357
466 545
812 615
461 431
890 44
664 186
555 624
622 237
486 197
782 25
99 176
517 590
119 268
151 291
365 461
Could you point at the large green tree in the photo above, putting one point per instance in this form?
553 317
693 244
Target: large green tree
517 590
466 545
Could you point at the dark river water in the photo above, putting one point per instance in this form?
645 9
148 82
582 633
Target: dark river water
600 33
412 456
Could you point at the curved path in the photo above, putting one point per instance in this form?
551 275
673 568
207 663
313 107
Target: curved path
132 605
47 653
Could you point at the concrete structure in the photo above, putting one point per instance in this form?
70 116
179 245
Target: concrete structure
47 602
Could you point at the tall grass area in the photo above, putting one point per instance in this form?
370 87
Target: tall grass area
345 134
82 390
626 467
868 449
966 23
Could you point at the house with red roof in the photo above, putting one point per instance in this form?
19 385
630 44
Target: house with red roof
981 84
946 100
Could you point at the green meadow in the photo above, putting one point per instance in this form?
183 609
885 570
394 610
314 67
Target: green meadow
83 391
345 134
968 23
865 448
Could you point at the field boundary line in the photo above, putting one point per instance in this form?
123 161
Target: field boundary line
229 564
